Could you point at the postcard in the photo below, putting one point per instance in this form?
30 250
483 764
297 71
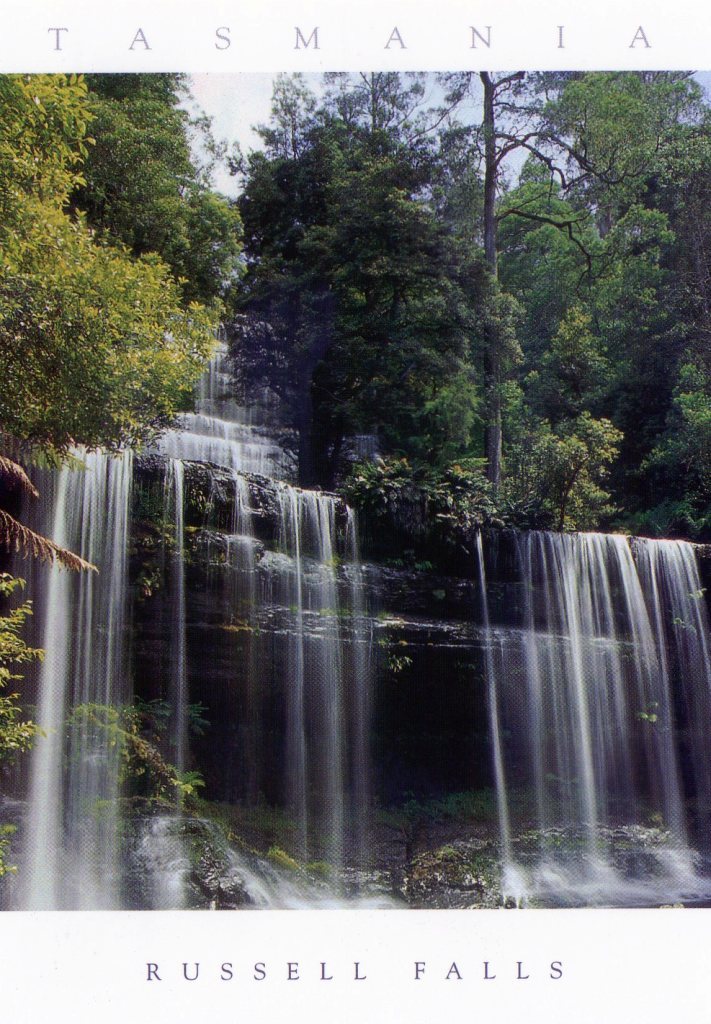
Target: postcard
355 529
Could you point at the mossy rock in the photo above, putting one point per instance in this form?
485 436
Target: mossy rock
460 875
282 859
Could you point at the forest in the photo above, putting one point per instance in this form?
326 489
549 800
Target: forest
508 290
446 346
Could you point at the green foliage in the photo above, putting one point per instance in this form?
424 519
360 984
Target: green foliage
555 477
540 264
96 348
5 832
627 125
397 663
650 714
684 454
320 868
469 806
451 419
16 733
572 372
671 519
369 301
430 506
156 715
142 186
282 859
137 733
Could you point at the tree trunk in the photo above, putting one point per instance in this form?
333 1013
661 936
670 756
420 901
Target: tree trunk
492 367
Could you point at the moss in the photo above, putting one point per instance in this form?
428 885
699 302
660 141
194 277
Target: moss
320 868
149 501
457 875
255 828
282 859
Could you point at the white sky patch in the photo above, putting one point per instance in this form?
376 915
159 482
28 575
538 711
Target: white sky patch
237 102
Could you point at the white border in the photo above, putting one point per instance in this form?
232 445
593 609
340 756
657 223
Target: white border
608 966
621 967
352 35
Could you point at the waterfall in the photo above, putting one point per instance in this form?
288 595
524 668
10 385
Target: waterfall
593 651
362 676
586 692
175 506
310 670
493 679
70 849
326 741
670 579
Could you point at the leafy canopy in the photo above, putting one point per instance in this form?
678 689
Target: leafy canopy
96 347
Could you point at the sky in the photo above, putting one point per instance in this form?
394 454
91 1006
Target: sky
237 102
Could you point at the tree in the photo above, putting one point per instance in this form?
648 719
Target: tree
683 455
143 186
96 348
596 140
361 305
292 116
556 475
572 373
494 153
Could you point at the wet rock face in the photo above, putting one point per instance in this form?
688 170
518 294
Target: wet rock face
211 497
429 730
240 621
215 879
188 862
634 851
462 875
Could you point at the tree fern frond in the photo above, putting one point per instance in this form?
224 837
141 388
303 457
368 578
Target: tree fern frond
13 535
14 472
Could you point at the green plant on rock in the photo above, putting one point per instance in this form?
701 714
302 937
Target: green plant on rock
320 868
149 581
398 663
190 782
650 713
16 732
6 831
144 775
423 504
282 859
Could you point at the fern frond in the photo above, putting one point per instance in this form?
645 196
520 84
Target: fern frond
14 472
15 536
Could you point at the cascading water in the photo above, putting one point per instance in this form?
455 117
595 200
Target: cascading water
175 505
71 836
591 718
362 675
511 882
596 696
323 736
670 579
70 846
